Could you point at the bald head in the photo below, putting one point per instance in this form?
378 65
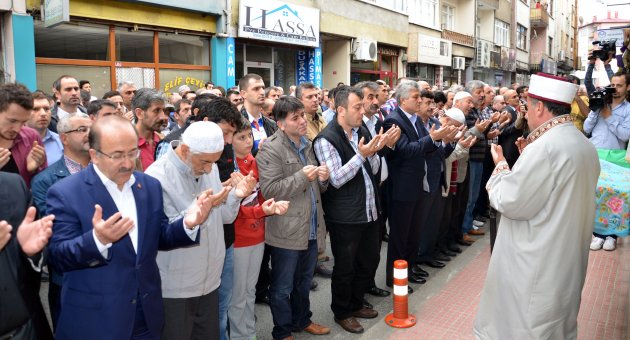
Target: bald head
498 103
106 127
511 98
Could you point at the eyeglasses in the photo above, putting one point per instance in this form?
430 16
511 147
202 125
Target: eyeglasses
80 129
119 156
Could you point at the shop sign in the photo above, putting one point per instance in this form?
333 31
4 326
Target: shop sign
174 84
308 64
56 12
434 51
613 33
191 5
231 61
388 51
277 21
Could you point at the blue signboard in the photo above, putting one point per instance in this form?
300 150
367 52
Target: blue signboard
308 66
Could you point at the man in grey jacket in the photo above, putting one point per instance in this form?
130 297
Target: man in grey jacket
288 171
191 276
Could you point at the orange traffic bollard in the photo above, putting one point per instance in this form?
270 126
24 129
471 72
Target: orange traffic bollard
400 318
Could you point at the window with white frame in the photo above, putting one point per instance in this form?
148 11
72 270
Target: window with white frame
448 17
424 12
501 33
521 37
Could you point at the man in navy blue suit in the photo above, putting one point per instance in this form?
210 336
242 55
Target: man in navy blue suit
109 226
406 163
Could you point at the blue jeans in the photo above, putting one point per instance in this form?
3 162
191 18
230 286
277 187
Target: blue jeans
225 291
475 173
291 276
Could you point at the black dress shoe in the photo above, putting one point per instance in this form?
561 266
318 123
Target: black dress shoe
413 278
386 237
378 292
454 249
463 243
314 285
434 264
366 304
321 270
449 253
417 270
442 258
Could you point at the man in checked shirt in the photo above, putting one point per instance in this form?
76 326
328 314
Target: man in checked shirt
350 205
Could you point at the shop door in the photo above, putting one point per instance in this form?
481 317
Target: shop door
262 69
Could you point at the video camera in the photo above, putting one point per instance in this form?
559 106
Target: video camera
605 46
600 97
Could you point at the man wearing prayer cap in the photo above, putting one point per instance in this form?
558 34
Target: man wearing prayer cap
537 269
191 276
109 225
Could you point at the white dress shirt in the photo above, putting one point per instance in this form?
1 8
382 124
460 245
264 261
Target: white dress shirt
126 205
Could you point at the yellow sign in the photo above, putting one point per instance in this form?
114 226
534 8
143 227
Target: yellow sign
179 81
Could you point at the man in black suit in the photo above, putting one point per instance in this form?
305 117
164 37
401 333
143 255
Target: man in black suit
406 163
22 239
512 131
433 182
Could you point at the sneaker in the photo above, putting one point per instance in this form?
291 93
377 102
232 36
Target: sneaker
597 243
478 223
610 243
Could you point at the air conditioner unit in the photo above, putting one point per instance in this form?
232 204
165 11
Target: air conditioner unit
365 49
561 55
459 63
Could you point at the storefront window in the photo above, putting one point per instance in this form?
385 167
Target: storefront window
284 68
172 79
421 72
98 76
258 54
71 41
184 49
134 46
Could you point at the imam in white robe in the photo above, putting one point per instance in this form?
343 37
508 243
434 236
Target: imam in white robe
547 205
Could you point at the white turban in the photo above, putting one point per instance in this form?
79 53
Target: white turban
461 95
456 114
203 137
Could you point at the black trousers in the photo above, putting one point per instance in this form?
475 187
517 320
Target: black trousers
382 221
482 207
444 239
404 234
430 226
356 250
458 209
192 318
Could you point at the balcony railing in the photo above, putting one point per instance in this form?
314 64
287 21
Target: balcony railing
538 17
458 38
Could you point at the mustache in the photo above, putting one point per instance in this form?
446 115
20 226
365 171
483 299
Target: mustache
125 170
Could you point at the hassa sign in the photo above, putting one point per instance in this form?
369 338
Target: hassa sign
278 21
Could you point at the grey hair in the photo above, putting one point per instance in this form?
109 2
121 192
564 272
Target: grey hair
63 125
456 88
473 85
303 86
145 97
404 89
125 82
372 85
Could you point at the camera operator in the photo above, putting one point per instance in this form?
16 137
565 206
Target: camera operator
588 78
610 126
